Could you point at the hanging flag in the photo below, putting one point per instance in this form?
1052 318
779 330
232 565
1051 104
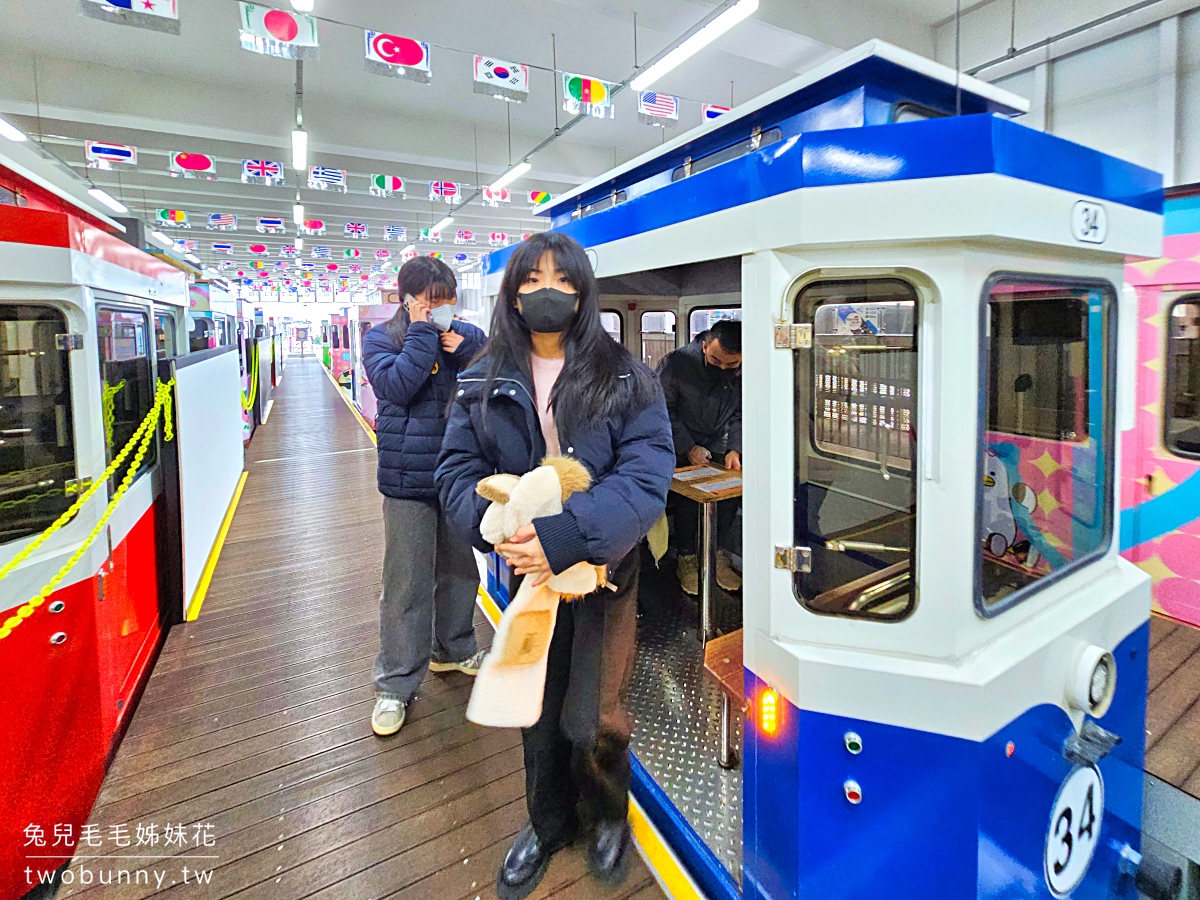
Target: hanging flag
193 165
282 264
588 96
444 190
711 111
356 231
495 198
463 236
351 253
538 197
289 250
498 239
355 268
527 235
175 218
395 233
320 253
435 254
258 249
500 79
400 57
313 226
383 254
332 267
101 155
270 226
185 246
409 254
376 270
277 32
155 15
307 266
386 185
223 248
460 257
258 263
261 171
658 109
222 222
226 263
323 178
430 236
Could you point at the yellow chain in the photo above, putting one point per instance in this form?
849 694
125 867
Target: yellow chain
108 402
248 398
141 440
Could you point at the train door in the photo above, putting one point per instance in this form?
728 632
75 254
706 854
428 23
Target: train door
657 331
166 333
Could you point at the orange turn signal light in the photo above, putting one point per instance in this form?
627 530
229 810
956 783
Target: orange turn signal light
768 712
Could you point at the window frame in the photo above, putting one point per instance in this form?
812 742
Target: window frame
152 366
620 322
1168 398
696 309
1107 451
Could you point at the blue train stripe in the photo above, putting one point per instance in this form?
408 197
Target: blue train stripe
1161 515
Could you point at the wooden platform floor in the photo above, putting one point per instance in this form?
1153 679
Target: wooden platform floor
255 723
1173 706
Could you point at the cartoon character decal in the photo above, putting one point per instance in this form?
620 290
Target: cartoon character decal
1008 530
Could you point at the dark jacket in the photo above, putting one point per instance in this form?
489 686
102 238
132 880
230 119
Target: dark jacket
704 404
630 458
414 385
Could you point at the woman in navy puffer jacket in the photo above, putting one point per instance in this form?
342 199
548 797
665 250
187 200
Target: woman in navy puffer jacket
430 578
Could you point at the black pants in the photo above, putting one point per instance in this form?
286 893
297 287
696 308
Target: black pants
577 769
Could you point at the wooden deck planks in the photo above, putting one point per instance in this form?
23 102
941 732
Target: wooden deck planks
1173 705
256 718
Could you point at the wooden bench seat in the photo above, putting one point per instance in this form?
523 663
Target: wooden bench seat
723 664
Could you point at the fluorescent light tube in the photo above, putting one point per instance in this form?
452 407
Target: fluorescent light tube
298 213
299 150
511 175
693 44
192 258
305 6
299 245
11 131
162 240
444 224
111 202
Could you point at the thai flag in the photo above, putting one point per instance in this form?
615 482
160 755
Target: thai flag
395 233
711 111
270 225
222 248
98 152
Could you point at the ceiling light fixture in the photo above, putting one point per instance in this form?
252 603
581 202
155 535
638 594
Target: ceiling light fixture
108 200
11 131
511 175
700 37
192 258
298 212
444 224
304 6
299 150
299 245
162 240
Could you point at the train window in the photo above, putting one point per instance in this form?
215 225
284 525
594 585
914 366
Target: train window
346 336
37 440
702 319
658 336
201 332
734 151
1181 422
126 381
907 111
337 343
607 202
1047 442
856 502
613 323
164 335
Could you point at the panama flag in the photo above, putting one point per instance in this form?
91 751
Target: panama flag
590 96
155 15
463 236
395 233
277 32
658 109
313 226
430 236
101 155
261 171
445 190
267 225
400 57
227 249
193 165
356 231
386 185
710 111
175 218
324 178
498 239
500 79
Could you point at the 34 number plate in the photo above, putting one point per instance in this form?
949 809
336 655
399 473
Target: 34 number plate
1074 829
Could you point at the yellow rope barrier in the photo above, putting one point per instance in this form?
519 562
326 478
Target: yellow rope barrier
248 398
141 441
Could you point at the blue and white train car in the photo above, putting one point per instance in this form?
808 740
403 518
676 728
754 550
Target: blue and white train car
945 657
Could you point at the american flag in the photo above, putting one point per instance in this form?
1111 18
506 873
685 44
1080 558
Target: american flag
356 229
653 103
395 233
322 175
320 253
222 220
261 168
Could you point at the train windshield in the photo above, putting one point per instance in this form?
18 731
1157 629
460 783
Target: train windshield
1047 435
126 382
1182 419
37 440
855 445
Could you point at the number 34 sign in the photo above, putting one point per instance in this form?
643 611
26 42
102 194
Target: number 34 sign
1074 829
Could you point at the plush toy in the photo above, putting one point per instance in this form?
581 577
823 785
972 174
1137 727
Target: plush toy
510 684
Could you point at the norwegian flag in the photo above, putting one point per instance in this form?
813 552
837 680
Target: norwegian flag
444 190
498 239
268 225
222 248
463 236
289 250
395 233
383 254
356 230
320 253
324 178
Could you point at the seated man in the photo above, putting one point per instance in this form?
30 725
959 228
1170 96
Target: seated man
703 386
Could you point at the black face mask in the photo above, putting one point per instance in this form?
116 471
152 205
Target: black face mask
547 310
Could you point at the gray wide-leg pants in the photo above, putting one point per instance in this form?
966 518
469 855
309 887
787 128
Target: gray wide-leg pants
430 581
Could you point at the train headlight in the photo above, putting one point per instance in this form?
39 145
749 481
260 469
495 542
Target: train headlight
1093 681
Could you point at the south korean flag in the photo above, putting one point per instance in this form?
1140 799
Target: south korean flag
500 79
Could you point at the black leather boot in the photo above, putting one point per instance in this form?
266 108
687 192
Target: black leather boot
523 867
608 853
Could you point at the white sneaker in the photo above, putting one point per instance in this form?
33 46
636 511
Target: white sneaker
469 666
388 715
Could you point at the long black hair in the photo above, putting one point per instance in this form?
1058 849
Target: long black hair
600 378
417 275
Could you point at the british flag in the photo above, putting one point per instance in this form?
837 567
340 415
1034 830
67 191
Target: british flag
289 250
356 230
443 190
395 233
355 268
262 171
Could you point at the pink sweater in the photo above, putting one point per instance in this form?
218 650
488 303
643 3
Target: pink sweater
545 373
